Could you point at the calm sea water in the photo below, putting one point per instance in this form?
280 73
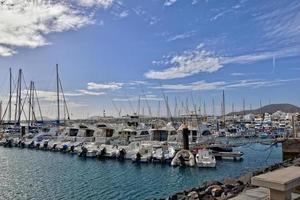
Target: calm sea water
31 174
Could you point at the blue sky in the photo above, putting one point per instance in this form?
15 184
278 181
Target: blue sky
110 52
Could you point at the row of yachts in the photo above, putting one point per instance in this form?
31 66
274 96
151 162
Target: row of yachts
141 145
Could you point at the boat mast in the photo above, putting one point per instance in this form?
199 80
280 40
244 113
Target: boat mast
30 104
57 92
20 96
0 112
10 95
223 109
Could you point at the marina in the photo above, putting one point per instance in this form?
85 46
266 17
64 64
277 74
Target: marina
152 99
111 179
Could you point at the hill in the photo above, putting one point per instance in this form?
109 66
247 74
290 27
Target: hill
272 108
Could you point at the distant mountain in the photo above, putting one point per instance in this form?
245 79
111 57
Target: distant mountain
272 108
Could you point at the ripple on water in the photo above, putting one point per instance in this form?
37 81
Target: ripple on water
30 174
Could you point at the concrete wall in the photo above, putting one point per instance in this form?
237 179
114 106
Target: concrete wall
291 148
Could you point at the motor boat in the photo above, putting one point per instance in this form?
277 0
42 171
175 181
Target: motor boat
205 158
183 158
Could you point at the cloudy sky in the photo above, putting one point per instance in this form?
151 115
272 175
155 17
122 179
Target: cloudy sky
111 53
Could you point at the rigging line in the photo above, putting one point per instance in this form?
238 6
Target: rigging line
130 104
195 109
146 99
167 105
113 103
66 106
22 107
38 102
7 105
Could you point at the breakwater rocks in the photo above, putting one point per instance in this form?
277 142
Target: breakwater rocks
228 188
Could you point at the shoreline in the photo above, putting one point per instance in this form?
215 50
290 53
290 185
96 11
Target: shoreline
228 187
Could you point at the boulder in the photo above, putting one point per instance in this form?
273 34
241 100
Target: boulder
217 191
193 195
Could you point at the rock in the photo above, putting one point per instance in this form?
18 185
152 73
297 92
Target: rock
237 189
226 195
201 194
229 181
181 197
239 183
217 191
207 184
208 197
246 179
287 164
193 195
214 190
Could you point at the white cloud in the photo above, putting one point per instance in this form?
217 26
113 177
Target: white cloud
169 2
138 83
181 36
26 23
199 60
104 86
101 3
187 64
203 85
123 14
281 22
136 98
199 85
45 95
237 74
86 92
4 51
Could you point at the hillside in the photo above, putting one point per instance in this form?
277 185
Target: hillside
272 108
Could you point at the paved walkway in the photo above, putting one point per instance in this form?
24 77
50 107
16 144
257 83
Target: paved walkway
259 194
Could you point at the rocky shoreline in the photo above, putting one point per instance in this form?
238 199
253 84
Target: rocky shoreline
230 187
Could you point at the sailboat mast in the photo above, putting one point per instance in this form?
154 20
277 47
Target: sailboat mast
20 97
224 111
30 103
0 112
10 95
57 91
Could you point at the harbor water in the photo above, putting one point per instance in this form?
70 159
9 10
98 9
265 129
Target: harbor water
32 174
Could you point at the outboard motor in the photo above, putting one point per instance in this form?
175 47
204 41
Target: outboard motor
37 146
72 148
19 143
8 143
121 154
31 145
64 148
54 147
45 145
83 152
138 157
101 153
22 145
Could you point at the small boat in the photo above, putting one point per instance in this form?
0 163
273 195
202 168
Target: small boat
263 135
229 155
220 148
183 158
205 158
